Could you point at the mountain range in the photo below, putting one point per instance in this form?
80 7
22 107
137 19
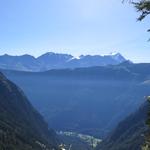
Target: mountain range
21 126
100 101
86 100
52 60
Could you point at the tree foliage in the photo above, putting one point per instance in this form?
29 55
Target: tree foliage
146 145
143 6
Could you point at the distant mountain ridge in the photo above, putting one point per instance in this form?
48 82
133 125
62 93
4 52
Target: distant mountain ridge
52 60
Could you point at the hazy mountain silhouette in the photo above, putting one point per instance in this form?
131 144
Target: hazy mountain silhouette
51 60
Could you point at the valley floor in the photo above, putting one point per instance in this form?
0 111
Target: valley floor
74 141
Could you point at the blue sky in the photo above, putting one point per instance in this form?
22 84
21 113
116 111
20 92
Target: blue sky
72 26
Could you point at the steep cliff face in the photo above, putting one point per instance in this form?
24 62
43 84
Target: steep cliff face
21 126
129 134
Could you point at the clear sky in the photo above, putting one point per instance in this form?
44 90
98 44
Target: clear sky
72 26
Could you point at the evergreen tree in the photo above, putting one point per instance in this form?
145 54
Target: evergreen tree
143 6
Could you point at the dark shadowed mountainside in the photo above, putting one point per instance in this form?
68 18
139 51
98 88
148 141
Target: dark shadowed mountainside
21 126
129 134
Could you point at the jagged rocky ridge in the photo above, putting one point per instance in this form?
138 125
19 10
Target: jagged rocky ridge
56 61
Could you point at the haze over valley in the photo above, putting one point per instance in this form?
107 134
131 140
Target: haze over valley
74 75
88 100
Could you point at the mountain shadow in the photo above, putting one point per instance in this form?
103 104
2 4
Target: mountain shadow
21 126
